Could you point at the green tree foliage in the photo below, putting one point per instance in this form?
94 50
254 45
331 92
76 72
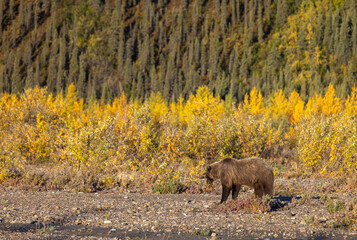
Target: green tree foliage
173 47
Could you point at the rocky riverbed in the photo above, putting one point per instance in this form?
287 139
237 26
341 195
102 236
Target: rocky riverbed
133 215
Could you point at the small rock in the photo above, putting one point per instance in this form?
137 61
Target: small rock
107 222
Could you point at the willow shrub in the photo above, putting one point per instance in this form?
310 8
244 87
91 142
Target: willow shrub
158 142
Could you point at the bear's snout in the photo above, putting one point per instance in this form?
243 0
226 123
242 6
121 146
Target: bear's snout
209 180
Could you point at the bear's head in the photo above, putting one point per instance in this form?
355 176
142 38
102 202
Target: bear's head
211 173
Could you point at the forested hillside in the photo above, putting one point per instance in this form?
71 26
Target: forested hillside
140 47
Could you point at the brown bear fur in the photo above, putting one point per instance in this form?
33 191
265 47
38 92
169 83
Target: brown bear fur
233 173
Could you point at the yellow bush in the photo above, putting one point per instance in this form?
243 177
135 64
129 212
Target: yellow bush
203 104
162 143
330 104
253 104
295 107
328 144
278 106
351 103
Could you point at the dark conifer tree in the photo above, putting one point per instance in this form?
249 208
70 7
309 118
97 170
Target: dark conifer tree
1 17
260 22
37 77
61 73
2 78
27 55
281 12
16 80
82 77
344 47
29 81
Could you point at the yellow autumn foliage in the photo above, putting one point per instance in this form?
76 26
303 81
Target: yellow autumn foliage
253 103
278 106
295 107
161 142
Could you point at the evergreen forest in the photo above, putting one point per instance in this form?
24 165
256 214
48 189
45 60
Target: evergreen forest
140 47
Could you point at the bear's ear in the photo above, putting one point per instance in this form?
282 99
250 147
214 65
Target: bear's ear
209 168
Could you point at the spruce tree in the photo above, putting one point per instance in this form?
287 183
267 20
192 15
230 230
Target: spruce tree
195 18
170 75
107 94
260 21
51 74
327 39
73 66
37 77
114 33
81 89
92 88
2 78
354 31
267 12
27 57
153 79
1 16
14 30
344 43
336 31
203 59
29 81
127 79
54 19
11 9
36 13
140 86
251 22
232 4
60 82
28 15
223 15
9 66
281 12
16 81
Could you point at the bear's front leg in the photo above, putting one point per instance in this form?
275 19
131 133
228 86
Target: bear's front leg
225 193
235 191
258 189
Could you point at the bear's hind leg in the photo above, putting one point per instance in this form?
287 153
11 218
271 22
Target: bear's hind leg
235 191
225 193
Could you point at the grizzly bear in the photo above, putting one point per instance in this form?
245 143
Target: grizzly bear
234 173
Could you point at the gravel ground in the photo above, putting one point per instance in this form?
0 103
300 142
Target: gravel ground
114 215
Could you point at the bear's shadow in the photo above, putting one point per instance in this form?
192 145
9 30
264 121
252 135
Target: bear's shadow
278 202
